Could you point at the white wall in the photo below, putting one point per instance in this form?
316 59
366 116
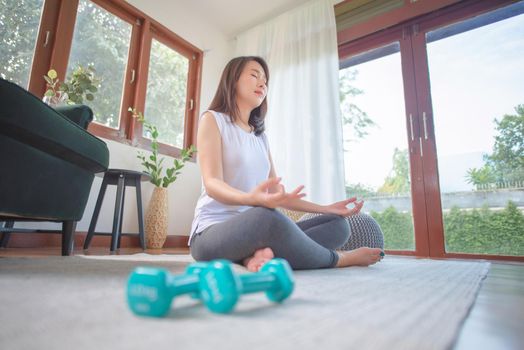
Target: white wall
184 192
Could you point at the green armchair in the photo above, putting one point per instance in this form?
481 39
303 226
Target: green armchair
48 162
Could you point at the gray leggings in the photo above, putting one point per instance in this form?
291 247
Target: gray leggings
309 244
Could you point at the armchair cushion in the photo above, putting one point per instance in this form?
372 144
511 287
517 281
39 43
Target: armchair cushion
79 114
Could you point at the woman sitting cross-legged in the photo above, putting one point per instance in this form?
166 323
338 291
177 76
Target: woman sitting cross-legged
235 217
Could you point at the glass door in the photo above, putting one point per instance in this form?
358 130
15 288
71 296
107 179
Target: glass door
473 132
433 115
380 161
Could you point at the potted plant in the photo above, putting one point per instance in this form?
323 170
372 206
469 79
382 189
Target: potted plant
156 220
81 85
53 95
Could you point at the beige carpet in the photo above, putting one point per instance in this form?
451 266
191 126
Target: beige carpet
78 302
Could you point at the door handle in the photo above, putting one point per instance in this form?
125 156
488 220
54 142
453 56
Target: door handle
425 125
411 126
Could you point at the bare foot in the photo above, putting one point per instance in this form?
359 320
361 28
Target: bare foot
359 257
261 256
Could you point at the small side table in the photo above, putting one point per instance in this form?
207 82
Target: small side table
121 178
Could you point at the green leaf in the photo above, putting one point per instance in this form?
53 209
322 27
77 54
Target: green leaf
167 182
89 97
48 80
49 93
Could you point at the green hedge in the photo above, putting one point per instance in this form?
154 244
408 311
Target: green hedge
481 231
397 228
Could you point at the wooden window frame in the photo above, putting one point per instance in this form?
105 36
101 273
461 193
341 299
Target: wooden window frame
429 230
164 36
59 17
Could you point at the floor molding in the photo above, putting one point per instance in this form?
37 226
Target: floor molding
49 240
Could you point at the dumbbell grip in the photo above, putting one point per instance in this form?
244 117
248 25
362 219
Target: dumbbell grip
256 282
183 284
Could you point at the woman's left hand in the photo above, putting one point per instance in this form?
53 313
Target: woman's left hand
340 208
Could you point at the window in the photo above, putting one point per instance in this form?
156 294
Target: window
102 40
130 53
18 32
166 93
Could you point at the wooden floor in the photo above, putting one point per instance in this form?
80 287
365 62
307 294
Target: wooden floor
496 320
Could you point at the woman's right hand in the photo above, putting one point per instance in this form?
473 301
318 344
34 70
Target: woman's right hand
261 196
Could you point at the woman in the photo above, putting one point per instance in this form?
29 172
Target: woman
235 217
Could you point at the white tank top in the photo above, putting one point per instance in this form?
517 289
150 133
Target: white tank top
245 164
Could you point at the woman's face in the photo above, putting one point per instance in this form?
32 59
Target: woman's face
251 85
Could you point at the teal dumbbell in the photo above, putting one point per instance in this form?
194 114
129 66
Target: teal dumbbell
150 291
275 278
195 269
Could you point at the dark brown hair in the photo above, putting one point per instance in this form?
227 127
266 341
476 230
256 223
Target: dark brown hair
225 97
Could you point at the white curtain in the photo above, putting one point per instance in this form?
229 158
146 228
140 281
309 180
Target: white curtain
303 122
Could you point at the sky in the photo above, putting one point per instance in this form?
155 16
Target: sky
475 77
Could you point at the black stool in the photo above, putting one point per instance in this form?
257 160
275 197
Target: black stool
120 178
